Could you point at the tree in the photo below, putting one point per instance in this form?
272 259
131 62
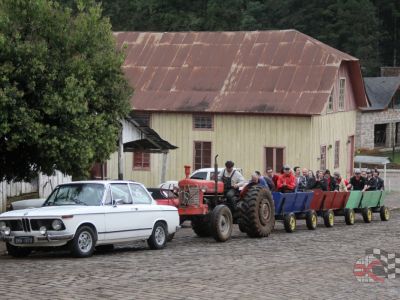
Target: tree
62 90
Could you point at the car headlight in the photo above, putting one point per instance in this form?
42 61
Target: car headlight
57 224
3 225
7 231
43 230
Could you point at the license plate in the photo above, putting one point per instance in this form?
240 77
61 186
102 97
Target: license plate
23 240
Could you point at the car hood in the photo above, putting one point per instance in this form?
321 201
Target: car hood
51 211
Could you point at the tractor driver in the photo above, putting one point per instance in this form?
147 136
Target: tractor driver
232 180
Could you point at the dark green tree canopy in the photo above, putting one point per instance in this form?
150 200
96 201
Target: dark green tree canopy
62 90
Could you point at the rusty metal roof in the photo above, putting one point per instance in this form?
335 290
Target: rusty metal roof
269 72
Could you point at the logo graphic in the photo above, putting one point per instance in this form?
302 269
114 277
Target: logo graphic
377 265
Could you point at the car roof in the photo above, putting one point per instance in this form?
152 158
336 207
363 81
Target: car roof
206 169
212 169
104 182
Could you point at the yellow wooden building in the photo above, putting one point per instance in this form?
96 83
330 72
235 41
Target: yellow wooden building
263 98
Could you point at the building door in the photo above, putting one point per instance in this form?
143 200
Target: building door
350 156
274 158
323 158
99 171
380 135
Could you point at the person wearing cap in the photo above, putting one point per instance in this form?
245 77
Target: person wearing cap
380 184
232 180
357 182
370 184
341 184
287 181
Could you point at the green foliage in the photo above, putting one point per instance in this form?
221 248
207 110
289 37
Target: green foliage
62 90
363 28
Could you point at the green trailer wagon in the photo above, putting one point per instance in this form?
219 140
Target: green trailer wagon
366 203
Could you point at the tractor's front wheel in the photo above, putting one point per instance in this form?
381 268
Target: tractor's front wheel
221 223
201 226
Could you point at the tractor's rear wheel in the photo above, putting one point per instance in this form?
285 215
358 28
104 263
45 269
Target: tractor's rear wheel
221 223
201 226
258 212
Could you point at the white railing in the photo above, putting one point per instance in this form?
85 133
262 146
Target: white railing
43 185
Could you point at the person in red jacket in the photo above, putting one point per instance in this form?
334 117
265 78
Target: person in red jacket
286 181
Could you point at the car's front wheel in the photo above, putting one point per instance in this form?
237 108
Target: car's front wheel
84 242
158 238
17 251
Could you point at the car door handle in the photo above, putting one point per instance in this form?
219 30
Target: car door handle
134 208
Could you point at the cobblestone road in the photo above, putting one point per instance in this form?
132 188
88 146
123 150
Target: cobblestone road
303 265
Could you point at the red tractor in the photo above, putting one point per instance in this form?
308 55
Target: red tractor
205 204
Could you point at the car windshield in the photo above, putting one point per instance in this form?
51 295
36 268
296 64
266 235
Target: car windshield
89 194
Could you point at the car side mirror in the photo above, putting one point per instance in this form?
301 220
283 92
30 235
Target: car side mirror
118 202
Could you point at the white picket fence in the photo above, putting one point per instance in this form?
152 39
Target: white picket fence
43 185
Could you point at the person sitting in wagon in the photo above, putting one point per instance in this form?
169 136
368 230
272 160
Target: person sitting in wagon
380 184
320 182
286 182
330 181
370 184
357 182
341 183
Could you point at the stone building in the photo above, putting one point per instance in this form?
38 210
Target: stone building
378 126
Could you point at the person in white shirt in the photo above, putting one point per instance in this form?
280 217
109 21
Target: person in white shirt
232 180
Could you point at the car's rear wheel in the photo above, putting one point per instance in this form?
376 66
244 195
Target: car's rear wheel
84 242
159 237
16 251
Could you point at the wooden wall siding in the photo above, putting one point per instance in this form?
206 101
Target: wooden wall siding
325 131
349 101
240 138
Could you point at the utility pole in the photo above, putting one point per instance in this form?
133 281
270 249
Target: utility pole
120 155
395 40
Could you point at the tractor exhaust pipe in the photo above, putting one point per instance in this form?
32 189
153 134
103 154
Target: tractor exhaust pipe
216 179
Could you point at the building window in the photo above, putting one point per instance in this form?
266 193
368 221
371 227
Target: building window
202 155
274 158
337 151
204 122
323 158
141 160
330 102
342 89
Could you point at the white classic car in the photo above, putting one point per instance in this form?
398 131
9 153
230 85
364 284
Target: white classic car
83 215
